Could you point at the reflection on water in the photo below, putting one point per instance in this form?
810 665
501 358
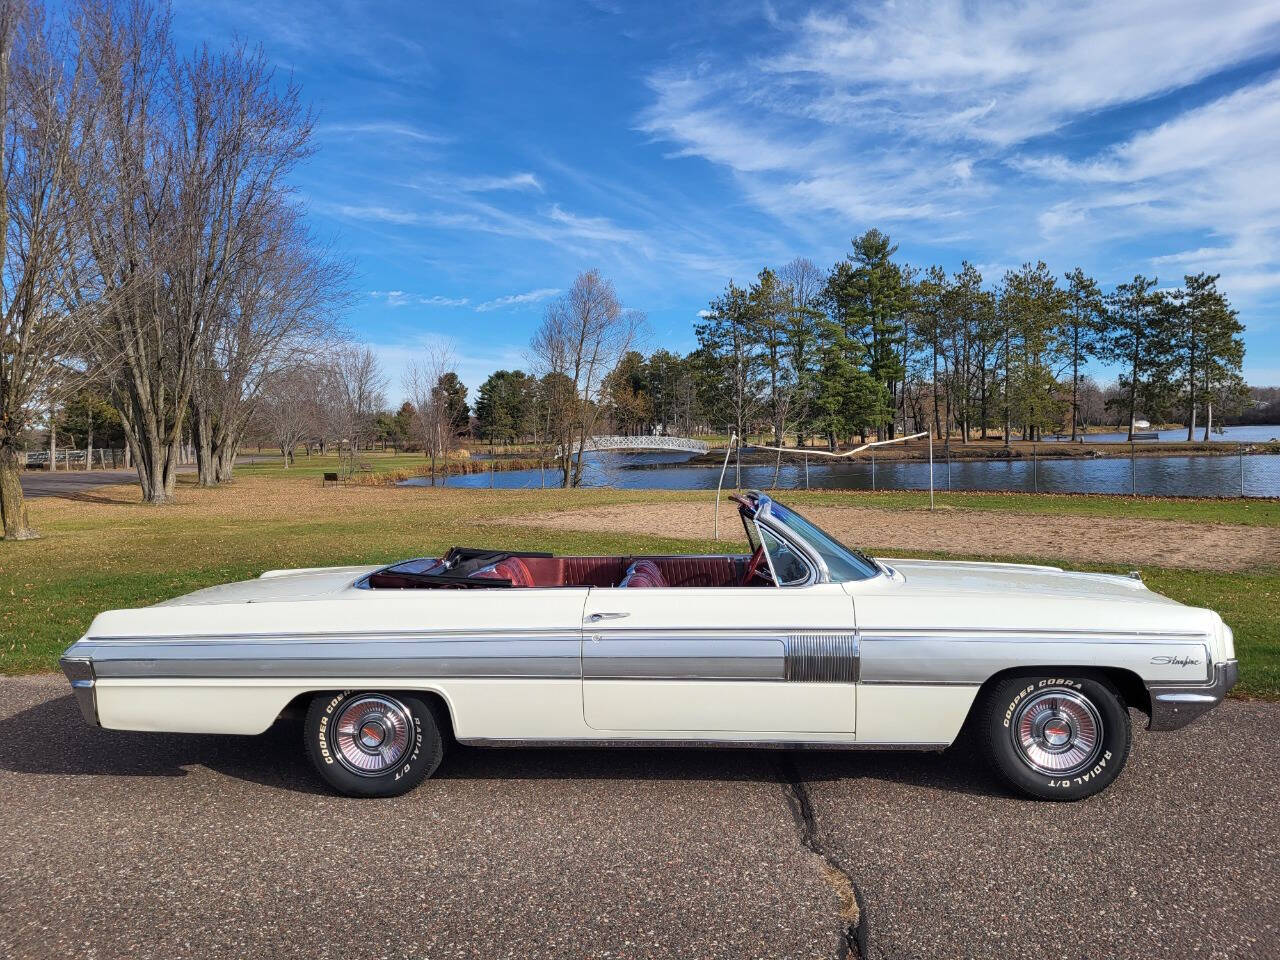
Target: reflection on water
1169 476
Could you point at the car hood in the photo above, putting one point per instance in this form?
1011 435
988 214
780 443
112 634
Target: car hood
958 597
1012 580
314 583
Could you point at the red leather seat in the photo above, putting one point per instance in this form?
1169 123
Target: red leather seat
644 573
509 568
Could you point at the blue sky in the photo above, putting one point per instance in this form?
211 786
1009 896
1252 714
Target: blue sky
473 157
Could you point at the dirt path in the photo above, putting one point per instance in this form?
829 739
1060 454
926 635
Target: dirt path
1141 542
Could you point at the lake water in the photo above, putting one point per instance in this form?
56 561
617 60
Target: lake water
1169 476
1259 433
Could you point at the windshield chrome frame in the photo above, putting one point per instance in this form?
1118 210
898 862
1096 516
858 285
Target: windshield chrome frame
821 572
818 572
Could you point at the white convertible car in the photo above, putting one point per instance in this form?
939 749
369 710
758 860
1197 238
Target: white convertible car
803 643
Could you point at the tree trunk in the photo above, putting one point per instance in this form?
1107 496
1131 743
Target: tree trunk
88 446
53 443
1075 379
1133 395
13 508
1191 392
202 441
224 460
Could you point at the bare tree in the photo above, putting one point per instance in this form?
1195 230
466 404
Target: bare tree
355 385
280 311
433 415
289 406
179 183
42 127
583 336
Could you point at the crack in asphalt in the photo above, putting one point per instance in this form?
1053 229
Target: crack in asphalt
856 932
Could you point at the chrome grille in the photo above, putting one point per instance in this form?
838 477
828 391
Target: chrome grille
822 657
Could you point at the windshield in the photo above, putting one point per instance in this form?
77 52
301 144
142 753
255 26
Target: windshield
787 568
842 562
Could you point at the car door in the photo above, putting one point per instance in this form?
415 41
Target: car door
720 662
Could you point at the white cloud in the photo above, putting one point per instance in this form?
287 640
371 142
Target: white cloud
389 129
517 299
398 298
1212 168
933 114
375 213
516 181
1001 73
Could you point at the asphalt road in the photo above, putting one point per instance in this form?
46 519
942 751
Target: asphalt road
59 483
150 845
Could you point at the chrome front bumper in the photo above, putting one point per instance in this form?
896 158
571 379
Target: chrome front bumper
1176 705
83 683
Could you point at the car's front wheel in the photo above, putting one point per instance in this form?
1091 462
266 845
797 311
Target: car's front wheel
1056 737
371 744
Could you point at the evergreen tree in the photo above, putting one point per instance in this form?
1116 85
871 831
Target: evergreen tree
1137 339
731 357
1086 327
1206 343
1034 307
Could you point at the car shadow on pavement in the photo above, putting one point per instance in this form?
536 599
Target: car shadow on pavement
69 747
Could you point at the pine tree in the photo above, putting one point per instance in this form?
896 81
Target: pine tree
1206 341
1086 322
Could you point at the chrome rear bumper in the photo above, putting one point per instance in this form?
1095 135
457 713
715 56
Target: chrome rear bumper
1176 705
83 683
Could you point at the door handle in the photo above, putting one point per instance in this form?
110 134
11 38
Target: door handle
597 617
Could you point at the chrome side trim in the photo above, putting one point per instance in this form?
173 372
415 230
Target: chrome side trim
334 636
592 743
903 657
548 658
1174 706
822 657
1024 633
81 674
658 655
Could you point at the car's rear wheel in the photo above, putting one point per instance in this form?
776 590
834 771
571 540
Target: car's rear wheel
1056 737
372 744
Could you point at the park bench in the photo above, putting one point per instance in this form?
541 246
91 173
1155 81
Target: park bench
1146 436
330 478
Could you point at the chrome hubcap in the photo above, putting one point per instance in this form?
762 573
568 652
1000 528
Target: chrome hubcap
372 734
1058 732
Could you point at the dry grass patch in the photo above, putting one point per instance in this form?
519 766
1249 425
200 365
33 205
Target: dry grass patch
1135 541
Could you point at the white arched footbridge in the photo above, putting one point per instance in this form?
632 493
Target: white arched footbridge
684 444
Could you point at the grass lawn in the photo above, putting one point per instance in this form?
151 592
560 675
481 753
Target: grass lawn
104 549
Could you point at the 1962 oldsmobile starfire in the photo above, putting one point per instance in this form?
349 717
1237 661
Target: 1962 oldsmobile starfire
804 642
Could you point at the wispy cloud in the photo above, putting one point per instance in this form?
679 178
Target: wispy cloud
517 299
516 181
1211 168
398 298
934 114
391 129
372 212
